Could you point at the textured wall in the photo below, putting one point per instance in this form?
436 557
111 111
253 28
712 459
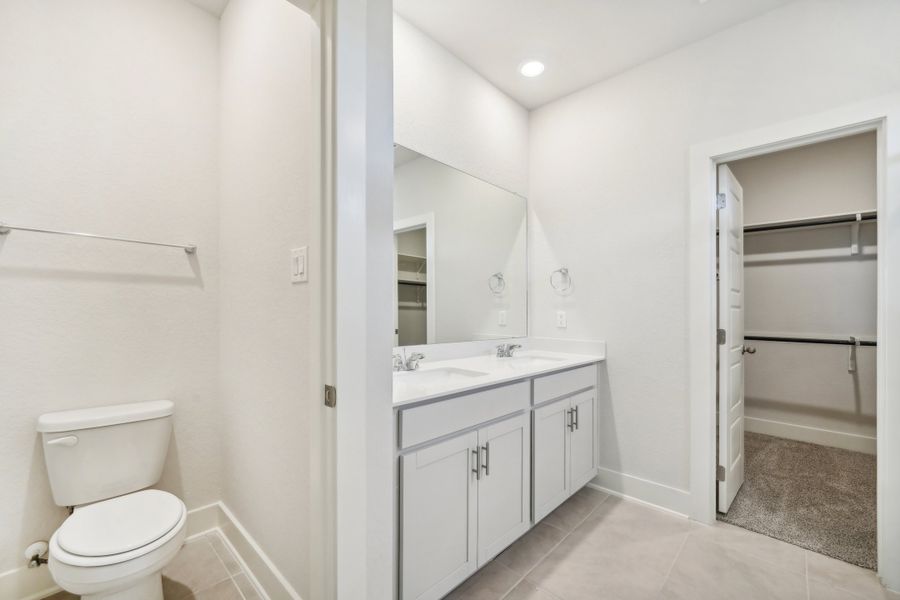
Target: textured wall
266 197
608 187
446 111
109 116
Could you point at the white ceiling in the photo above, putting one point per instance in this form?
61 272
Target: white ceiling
580 41
215 7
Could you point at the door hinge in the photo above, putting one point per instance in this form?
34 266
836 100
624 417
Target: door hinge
720 336
330 396
720 201
720 473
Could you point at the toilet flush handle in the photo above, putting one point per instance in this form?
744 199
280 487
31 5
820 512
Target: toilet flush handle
67 440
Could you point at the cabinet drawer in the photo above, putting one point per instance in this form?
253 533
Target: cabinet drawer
562 384
423 423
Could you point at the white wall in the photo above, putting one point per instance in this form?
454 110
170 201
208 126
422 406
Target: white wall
608 191
805 282
479 231
108 124
268 122
445 110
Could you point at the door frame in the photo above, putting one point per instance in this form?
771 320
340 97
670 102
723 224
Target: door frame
358 175
425 221
881 115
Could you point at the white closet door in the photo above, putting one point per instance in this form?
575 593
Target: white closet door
731 319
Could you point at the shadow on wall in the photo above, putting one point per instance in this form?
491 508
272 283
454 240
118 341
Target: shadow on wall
43 274
608 439
171 479
38 505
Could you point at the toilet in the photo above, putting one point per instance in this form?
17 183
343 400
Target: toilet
120 536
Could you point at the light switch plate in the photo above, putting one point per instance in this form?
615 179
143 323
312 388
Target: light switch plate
299 265
501 318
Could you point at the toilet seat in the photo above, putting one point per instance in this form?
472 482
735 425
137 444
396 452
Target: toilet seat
119 529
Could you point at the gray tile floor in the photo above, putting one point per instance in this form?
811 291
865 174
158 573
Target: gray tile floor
596 547
204 569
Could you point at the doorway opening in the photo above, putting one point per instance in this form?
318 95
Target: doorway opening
414 290
797 290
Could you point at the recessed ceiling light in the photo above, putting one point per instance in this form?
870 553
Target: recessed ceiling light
531 68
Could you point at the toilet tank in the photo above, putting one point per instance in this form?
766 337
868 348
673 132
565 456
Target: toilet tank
93 454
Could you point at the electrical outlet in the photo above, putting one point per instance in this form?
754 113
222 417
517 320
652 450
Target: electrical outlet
501 318
561 319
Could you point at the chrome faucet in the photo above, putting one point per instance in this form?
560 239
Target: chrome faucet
402 363
506 350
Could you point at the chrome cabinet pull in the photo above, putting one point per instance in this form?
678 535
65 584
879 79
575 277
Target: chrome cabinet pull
486 465
570 419
477 469
575 420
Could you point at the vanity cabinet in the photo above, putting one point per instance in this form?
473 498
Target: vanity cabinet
564 452
463 500
477 470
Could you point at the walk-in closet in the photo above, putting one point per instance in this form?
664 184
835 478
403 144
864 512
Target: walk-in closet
805 377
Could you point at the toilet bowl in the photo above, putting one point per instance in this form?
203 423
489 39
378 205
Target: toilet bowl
122 534
117 548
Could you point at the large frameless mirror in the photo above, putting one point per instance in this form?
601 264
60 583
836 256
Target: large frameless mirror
460 255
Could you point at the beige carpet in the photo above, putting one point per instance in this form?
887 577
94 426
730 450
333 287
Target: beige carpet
816 497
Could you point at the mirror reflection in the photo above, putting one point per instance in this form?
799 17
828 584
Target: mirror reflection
460 246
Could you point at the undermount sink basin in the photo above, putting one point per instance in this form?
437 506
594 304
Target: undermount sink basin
530 360
434 376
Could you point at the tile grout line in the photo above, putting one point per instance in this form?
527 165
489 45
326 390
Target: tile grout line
224 566
675 560
806 572
550 551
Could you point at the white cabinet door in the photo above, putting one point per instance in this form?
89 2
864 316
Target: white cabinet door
504 486
551 456
582 440
438 518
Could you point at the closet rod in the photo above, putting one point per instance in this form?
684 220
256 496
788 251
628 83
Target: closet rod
856 217
808 340
6 228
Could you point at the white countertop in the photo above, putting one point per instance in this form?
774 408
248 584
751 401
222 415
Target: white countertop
435 379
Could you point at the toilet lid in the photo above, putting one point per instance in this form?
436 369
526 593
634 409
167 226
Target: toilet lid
120 524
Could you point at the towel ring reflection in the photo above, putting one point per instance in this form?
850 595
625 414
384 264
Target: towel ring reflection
560 280
497 283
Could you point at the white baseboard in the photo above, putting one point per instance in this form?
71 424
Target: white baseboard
813 435
33 584
656 495
27 584
254 561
